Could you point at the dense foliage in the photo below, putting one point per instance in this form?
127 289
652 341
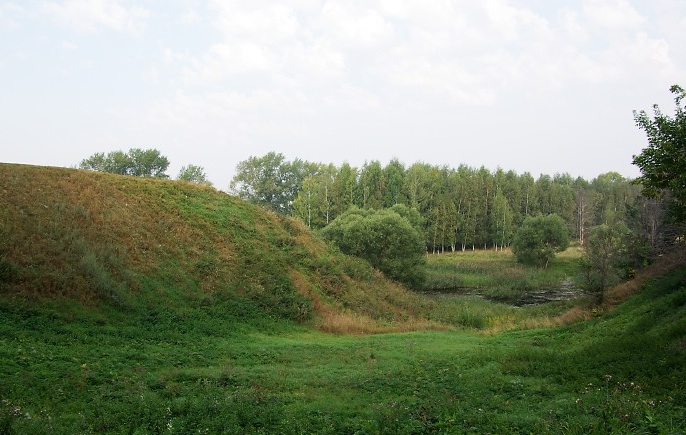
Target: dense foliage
270 181
463 208
539 238
384 238
607 257
136 162
663 162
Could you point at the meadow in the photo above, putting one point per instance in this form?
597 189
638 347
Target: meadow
70 369
144 307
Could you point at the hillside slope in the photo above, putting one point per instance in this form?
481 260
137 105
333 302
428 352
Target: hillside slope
130 242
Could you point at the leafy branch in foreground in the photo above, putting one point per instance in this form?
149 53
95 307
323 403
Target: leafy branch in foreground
663 162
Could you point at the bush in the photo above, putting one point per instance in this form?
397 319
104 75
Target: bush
385 239
539 238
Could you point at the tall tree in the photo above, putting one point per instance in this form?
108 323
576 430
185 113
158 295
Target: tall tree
394 176
148 163
605 254
314 202
583 213
265 181
344 189
372 185
663 162
501 222
416 182
529 205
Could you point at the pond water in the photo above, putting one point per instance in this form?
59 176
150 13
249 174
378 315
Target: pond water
565 291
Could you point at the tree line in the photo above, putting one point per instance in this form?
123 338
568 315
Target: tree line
462 208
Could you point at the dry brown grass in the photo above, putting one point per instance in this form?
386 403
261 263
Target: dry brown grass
664 264
623 291
52 214
336 322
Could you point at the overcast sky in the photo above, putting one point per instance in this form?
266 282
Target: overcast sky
539 86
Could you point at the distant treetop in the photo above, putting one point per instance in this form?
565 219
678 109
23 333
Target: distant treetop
136 162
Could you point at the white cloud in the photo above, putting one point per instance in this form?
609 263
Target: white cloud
468 52
513 24
191 17
349 98
229 58
356 28
255 21
69 46
612 14
315 62
648 55
92 15
571 24
8 13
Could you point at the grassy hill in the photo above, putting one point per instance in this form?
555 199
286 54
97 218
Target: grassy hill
134 243
148 306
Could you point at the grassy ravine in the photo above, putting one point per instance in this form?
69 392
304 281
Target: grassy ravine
147 306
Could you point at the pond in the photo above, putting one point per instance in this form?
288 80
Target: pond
565 291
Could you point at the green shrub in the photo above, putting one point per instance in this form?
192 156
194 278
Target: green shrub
387 240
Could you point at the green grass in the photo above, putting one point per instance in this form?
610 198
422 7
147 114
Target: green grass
149 306
71 369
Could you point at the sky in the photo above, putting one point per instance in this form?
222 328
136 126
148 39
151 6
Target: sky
538 86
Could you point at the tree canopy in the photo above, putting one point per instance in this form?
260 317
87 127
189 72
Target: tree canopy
539 238
193 174
271 180
663 162
136 162
387 240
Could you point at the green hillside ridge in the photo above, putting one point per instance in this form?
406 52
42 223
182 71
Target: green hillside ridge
128 242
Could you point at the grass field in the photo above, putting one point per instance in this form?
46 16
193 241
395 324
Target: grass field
145 306
70 369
